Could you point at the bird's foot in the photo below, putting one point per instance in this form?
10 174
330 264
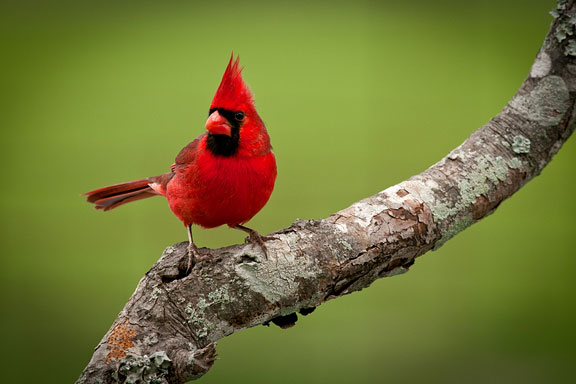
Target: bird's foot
194 257
255 237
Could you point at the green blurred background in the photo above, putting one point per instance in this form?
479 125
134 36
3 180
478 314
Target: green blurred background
357 96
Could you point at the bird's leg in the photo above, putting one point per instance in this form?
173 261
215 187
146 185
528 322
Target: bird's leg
193 254
255 237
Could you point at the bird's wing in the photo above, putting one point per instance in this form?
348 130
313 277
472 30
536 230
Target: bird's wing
187 154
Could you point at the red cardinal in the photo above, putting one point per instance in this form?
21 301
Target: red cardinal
224 176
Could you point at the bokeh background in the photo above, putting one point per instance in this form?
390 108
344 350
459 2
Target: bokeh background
357 96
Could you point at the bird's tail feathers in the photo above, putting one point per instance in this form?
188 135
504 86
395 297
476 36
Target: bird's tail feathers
113 196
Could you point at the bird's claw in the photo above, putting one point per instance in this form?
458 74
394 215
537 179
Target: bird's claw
194 257
255 237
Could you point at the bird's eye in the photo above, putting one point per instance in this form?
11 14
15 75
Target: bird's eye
239 116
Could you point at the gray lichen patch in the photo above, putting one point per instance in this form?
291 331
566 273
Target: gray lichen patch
278 278
487 172
457 226
546 104
135 369
346 245
565 28
483 174
204 323
156 292
169 250
488 168
542 65
424 191
151 339
521 144
570 49
515 163
160 361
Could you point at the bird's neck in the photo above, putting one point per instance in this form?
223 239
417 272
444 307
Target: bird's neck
222 145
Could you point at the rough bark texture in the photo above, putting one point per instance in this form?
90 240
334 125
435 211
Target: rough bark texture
167 331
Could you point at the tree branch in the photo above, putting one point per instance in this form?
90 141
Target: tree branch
168 330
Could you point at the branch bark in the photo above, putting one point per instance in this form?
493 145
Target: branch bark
167 331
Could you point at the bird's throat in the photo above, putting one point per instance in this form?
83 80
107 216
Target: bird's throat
222 145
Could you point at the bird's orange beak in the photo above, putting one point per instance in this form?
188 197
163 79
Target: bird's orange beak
218 125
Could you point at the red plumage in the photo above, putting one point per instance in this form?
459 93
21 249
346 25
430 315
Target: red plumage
225 176
232 91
